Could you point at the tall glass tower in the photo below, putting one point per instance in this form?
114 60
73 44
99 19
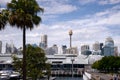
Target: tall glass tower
108 49
43 43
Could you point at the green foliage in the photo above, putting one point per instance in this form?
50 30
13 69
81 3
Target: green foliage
36 63
23 13
107 64
3 19
17 64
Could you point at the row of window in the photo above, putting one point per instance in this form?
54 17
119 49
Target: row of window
64 66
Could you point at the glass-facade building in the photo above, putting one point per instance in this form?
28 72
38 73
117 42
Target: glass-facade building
108 49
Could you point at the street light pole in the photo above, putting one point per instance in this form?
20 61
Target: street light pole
72 67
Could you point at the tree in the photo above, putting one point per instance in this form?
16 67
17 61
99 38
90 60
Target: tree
36 63
48 70
3 19
23 14
17 64
107 64
96 65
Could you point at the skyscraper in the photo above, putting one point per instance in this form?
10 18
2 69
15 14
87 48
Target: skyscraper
55 48
101 48
108 49
85 50
11 49
43 43
96 46
52 50
8 48
116 51
109 42
64 49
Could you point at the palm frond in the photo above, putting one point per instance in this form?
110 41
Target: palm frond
24 13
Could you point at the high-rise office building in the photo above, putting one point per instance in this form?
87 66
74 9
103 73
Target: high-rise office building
72 50
109 42
64 49
11 49
85 49
43 43
108 49
115 51
44 40
96 46
51 50
101 48
0 47
8 48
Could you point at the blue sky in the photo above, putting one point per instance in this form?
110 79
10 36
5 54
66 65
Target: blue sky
90 20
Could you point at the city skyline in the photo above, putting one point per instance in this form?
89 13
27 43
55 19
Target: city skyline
90 20
96 46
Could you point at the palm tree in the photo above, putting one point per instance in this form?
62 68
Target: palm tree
3 19
23 14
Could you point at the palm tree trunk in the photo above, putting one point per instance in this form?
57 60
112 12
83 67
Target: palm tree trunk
24 53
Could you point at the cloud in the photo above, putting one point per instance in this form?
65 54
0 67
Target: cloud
103 2
86 1
60 9
52 6
109 17
57 7
87 30
4 1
